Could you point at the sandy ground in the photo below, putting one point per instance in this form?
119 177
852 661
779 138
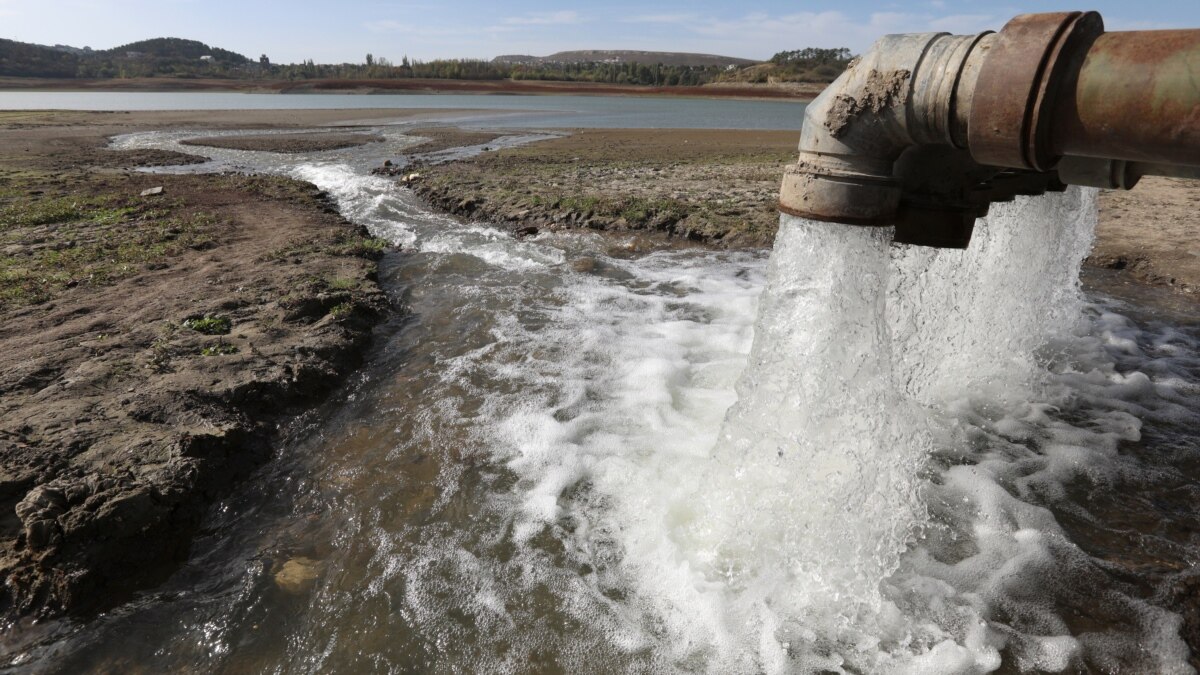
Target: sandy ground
151 343
1152 232
721 187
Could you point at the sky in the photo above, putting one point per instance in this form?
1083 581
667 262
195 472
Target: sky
337 32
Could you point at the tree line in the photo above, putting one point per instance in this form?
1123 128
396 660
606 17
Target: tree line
174 57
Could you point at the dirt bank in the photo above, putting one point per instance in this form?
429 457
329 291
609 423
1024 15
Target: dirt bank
712 186
721 187
151 343
1152 233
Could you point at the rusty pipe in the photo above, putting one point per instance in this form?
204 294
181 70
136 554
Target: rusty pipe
1137 97
925 131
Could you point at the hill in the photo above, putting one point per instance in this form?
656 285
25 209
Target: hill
624 56
22 59
173 57
178 49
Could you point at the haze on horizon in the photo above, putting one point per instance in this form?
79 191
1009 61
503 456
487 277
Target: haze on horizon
421 29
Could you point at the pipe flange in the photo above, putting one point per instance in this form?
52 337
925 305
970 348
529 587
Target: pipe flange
1028 65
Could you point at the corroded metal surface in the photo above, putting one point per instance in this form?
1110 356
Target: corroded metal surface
1137 98
1026 70
926 130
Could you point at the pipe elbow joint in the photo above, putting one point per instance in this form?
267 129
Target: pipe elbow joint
925 131
848 142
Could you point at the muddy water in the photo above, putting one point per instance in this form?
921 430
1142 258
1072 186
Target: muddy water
578 453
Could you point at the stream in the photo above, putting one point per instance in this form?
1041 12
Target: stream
578 452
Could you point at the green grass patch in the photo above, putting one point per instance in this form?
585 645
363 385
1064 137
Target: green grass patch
52 243
341 284
360 246
210 325
219 350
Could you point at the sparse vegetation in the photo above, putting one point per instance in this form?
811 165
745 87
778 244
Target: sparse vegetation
179 58
219 349
341 284
51 243
210 325
360 246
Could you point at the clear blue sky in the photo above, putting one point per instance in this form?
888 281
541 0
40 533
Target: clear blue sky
332 32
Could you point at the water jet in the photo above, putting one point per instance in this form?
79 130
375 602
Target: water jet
926 130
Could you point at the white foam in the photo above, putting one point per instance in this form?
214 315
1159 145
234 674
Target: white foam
882 382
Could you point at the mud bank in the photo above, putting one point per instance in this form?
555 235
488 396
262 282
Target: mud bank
154 332
716 187
721 187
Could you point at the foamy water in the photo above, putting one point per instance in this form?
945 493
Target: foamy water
854 457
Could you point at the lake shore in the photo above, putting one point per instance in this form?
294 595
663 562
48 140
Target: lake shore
721 188
736 90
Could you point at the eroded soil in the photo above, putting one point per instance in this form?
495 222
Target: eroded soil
711 186
151 344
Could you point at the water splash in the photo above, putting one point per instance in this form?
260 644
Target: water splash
886 388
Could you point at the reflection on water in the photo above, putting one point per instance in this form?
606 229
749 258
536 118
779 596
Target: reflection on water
536 472
511 111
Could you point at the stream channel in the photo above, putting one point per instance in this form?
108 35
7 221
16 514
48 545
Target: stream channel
570 453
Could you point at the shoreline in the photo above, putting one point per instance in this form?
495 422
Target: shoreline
367 87
720 188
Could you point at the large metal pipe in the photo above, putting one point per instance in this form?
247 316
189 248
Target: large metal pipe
926 130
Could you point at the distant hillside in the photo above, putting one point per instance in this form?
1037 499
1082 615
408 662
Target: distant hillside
625 56
178 49
808 65
171 57
21 59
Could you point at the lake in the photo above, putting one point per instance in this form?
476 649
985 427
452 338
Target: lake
600 112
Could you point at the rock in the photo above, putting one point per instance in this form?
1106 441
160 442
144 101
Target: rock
387 162
298 575
152 191
528 231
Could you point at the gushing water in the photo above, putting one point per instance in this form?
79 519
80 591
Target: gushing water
858 458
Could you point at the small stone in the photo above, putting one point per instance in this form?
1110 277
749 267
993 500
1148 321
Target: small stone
298 575
152 191
39 533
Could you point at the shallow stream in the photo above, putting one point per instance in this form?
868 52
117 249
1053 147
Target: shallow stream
582 453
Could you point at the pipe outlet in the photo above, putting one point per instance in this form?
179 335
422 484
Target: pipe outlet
926 130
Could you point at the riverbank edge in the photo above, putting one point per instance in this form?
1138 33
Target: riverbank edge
1150 248
720 90
133 405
